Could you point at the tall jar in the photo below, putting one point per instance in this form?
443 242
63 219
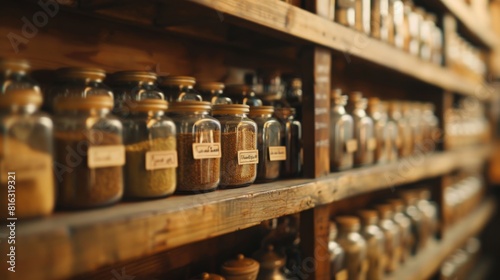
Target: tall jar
400 34
392 140
414 24
25 144
381 130
150 147
404 224
243 94
213 93
345 12
239 145
362 16
429 210
411 112
291 138
89 152
418 223
198 146
427 36
404 140
178 88
76 81
338 269
271 152
430 127
354 246
375 243
380 19
342 141
391 236
363 130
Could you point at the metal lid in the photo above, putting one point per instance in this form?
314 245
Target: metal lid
21 97
208 276
14 64
146 105
240 265
269 259
189 106
83 103
218 109
133 76
81 73
261 110
210 86
177 81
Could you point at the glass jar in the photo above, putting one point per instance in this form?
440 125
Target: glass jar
345 12
76 81
213 93
240 268
430 127
417 219
381 130
243 94
392 141
354 246
362 16
391 236
426 36
294 95
198 146
150 147
404 140
437 45
291 138
239 145
271 264
178 88
363 130
375 243
338 269
380 19
414 24
342 141
89 151
404 224
128 85
399 18
25 145
430 212
271 152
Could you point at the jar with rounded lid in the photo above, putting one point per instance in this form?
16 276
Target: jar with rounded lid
76 81
214 93
375 243
405 229
416 217
271 152
243 94
132 85
342 141
150 147
198 146
345 12
271 264
240 268
178 88
291 138
404 140
363 130
354 246
391 235
338 269
89 151
25 144
239 145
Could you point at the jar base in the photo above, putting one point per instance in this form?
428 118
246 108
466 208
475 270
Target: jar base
235 186
185 192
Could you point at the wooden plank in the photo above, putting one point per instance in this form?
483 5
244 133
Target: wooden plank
72 243
427 262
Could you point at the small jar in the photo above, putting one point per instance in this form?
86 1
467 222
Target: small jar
198 146
239 145
213 93
354 246
271 152
76 81
342 141
345 12
178 88
208 276
362 16
129 85
291 138
375 243
25 145
89 152
404 224
240 268
363 130
391 236
417 220
243 94
381 130
404 141
150 146
271 264
380 19
338 269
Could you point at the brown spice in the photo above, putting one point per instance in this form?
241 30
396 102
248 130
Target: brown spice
233 174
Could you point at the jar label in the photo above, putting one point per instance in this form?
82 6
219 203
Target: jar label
206 150
372 144
341 275
106 156
277 153
161 160
248 157
351 145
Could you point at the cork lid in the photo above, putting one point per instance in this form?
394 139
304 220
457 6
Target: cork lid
177 81
14 64
261 110
133 76
239 266
211 86
96 74
368 216
409 196
83 103
21 97
397 204
208 276
356 96
337 97
269 259
146 105
385 210
347 221
424 194
219 109
189 106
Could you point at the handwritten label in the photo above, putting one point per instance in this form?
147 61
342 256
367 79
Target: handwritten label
206 150
372 144
248 157
277 153
161 160
351 145
106 156
341 275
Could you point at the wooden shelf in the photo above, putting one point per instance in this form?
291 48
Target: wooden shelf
67 244
427 262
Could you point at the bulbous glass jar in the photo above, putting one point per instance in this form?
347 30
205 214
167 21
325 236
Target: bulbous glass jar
198 146
89 152
345 12
291 138
363 130
405 230
271 152
375 243
392 236
213 93
342 141
76 81
243 94
239 145
354 246
178 88
25 145
338 269
404 141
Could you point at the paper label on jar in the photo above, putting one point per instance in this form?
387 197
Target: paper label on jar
248 157
341 275
372 144
351 145
206 150
277 153
106 156
34 165
161 160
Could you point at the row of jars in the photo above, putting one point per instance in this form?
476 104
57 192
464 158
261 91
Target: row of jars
139 152
464 57
398 22
459 264
462 196
376 242
366 131
467 124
